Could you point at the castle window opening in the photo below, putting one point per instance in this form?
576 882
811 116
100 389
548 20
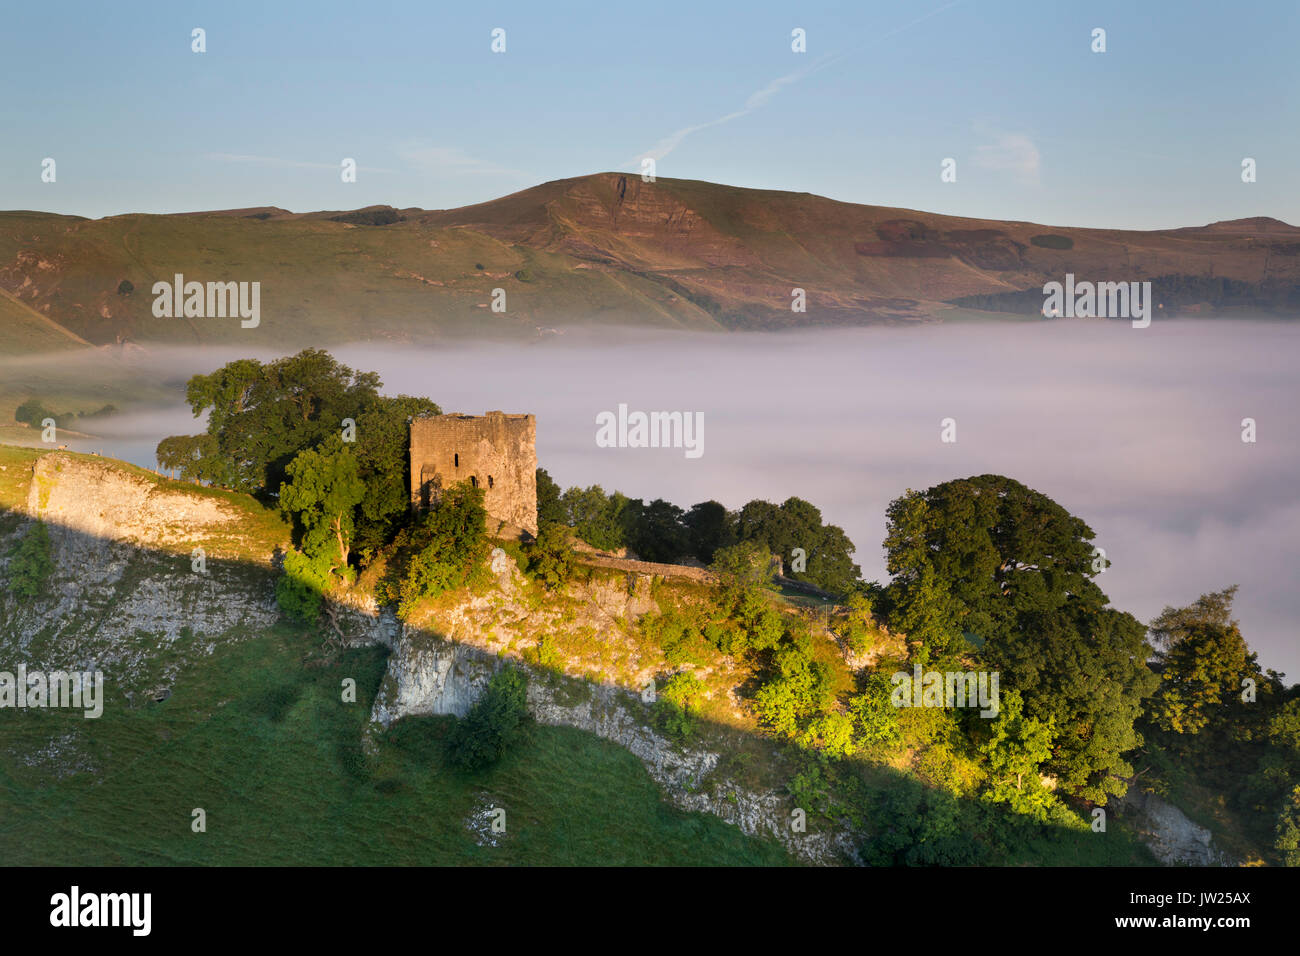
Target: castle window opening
489 481
457 457
473 480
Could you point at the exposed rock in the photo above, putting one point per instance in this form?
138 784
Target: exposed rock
429 675
1172 837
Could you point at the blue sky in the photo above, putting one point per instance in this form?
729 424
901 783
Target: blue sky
1149 134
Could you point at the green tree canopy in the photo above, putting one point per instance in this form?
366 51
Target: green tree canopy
261 415
1019 568
709 526
1203 660
322 491
796 523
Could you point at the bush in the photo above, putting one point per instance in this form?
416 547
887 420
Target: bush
859 628
801 690
299 590
32 412
1052 241
498 722
550 559
440 552
675 708
678 635
31 565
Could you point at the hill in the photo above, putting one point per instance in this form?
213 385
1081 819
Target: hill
608 249
213 700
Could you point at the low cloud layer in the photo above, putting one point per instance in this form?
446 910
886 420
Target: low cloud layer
1138 432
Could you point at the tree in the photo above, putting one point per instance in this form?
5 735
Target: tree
597 518
191 458
858 626
1201 676
1001 549
32 564
322 491
796 523
550 559
382 450
300 589
495 724
801 690
1287 831
549 508
262 415
741 567
439 552
676 706
1017 747
657 531
928 614
709 527
32 412
1018 568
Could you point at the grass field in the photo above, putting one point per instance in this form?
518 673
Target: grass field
258 737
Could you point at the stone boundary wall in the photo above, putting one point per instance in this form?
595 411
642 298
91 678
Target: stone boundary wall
698 575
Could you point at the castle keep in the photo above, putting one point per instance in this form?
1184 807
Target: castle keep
496 452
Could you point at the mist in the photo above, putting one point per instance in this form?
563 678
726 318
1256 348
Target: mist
1136 431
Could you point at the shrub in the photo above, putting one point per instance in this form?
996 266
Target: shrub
32 412
31 564
676 706
550 559
299 590
678 634
498 722
859 628
1050 241
440 552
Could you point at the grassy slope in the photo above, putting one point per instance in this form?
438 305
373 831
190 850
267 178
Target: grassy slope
26 330
256 734
320 281
263 743
604 248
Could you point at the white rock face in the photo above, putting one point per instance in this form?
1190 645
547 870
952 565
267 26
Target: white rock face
427 675
1172 837
102 502
114 601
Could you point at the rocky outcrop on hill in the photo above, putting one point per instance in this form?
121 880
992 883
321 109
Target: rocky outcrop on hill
1172 837
428 674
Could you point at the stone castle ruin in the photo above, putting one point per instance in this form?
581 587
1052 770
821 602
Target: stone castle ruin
496 452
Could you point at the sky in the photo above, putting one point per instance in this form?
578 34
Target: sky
1150 133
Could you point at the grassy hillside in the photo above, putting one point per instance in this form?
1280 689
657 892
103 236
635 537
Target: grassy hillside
26 330
254 731
252 727
609 249
257 737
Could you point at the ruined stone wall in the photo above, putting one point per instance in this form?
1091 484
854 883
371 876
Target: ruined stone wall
496 451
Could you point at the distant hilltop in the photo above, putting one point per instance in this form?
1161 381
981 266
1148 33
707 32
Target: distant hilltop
604 249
